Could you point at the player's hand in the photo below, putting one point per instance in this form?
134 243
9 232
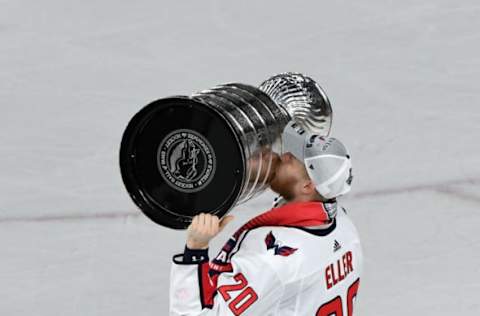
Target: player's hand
203 228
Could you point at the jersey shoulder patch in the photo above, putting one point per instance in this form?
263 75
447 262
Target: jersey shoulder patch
277 246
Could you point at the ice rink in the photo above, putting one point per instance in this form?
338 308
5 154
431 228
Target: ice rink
403 80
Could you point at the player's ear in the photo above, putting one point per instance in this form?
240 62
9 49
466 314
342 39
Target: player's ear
308 187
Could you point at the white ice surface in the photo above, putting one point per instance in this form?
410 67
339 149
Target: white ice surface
403 80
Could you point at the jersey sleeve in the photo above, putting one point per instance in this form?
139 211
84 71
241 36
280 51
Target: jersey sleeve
247 286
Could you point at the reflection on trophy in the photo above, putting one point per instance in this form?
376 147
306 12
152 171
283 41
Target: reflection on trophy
217 148
264 164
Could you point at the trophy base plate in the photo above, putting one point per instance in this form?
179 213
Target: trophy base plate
180 157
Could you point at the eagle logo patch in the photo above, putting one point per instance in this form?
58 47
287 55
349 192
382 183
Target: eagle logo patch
271 243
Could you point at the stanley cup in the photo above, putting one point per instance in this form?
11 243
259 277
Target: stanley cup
181 156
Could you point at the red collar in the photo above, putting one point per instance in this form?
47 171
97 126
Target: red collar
310 213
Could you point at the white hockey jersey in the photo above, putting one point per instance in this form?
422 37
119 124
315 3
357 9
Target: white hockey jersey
274 265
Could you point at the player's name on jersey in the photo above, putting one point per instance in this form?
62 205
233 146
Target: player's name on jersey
338 271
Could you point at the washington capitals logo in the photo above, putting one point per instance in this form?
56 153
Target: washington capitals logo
272 243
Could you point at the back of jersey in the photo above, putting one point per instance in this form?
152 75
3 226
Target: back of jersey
326 278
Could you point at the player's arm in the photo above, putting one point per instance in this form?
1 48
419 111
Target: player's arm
248 286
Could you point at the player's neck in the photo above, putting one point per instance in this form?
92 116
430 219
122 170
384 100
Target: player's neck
305 198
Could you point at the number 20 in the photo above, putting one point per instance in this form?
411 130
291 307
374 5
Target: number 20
334 307
246 298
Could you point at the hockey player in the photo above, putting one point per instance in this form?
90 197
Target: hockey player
302 257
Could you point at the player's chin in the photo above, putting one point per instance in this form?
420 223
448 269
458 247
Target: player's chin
282 190
276 184
273 183
271 176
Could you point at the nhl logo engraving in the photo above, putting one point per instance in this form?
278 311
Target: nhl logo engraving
186 160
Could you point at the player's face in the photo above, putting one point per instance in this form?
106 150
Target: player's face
289 177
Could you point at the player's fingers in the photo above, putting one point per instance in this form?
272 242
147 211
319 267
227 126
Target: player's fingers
211 224
215 224
206 223
193 223
227 219
201 220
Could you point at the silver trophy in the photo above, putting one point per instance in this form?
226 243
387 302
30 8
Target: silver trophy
181 156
